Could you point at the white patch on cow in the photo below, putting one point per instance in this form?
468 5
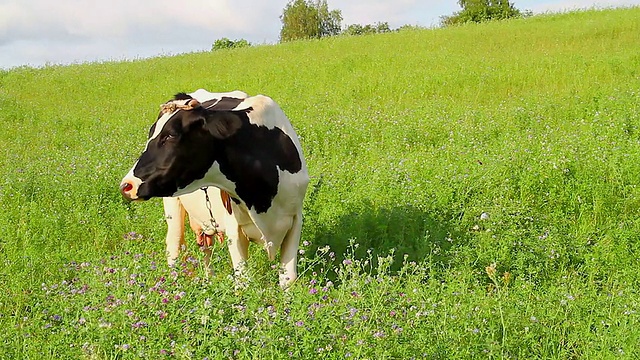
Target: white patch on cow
216 176
203 95
162 121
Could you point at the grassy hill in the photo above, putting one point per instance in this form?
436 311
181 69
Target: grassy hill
477 187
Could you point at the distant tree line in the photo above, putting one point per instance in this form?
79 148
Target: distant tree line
312 19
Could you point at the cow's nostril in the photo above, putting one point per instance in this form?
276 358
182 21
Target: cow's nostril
126 187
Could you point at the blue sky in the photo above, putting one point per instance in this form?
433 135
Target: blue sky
39 32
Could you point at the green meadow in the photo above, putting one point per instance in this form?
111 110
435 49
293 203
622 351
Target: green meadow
474 194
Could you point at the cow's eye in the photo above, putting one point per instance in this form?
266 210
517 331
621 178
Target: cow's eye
167 138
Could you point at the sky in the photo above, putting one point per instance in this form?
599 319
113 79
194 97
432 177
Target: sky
40 32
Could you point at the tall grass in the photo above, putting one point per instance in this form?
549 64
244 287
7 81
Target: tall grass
474 194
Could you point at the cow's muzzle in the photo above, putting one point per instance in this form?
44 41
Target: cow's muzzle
129 190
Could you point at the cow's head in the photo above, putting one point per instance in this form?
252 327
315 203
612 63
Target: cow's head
182 146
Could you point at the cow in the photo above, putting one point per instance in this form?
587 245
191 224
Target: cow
244 146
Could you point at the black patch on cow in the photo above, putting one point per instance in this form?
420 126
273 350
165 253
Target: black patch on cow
251 157
191 141
225 103
182 96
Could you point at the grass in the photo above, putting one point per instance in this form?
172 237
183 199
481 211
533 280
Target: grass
474 195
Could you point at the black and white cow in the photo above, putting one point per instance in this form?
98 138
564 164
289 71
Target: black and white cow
245 146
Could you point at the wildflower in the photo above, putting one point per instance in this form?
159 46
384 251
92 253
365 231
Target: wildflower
352 312
138 324
305 243
82 321
299 323
347 262
313 291
491 270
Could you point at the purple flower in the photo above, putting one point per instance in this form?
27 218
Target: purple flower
347 262
313 291
138 324
299 323
352 312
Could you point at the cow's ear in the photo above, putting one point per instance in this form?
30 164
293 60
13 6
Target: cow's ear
223 124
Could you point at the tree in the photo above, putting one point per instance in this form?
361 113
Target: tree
357 29
330 21
225 43
308 19
483 10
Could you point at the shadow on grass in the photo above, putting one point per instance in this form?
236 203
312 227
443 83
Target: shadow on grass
406 230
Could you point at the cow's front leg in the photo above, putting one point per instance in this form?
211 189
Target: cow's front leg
289 253
174 214
238 245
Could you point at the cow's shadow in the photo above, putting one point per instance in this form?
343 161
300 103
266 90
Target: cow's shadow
405 230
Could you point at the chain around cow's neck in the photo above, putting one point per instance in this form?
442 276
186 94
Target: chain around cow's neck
212 220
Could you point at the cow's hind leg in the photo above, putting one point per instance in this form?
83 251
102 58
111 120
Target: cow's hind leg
289 253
